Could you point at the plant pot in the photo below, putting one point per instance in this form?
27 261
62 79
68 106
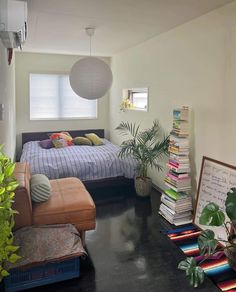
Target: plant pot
143 186
231 256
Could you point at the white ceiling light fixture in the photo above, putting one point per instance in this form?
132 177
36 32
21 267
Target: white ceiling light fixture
90 77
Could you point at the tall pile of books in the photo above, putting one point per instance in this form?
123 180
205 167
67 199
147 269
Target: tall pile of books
176 204
176 207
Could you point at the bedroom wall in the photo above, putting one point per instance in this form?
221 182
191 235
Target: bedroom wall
7 98
192 65
27 63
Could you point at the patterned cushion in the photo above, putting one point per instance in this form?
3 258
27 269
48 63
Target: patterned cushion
46 144
40 188
60 143
82 141
61 135
94 139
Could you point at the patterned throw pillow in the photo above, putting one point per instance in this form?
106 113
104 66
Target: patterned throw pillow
82 141
94 139
40 188
46 144
60 143
61 135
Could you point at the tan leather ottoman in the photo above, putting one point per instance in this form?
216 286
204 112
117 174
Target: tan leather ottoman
69 202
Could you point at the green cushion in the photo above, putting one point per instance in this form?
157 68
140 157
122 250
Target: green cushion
94 139
82 141
40 188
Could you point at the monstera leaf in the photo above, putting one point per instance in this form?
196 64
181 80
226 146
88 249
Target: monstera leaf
230 205
194 273
207 242
212 215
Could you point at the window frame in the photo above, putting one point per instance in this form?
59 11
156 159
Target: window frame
127 94
58 118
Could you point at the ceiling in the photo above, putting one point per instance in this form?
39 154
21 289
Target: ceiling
58 26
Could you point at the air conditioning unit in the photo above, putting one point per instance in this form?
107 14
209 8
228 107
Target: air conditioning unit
13 23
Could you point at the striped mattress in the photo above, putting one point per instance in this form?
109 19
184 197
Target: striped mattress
84 162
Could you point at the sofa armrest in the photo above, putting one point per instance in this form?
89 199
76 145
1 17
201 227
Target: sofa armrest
23 202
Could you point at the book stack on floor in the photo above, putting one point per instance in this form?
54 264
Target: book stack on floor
176 206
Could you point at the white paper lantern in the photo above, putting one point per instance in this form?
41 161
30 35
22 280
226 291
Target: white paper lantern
90 78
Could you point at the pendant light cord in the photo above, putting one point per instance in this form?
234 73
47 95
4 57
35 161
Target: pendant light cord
90 44
90 33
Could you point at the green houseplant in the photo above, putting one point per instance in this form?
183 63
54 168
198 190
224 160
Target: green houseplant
208 245
7 187
147 147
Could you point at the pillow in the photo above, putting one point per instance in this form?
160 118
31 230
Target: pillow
94 139
60 143
61 135
82 141
40 188
46 144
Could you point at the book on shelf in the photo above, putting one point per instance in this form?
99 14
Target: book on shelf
176 196
178 184
181 114
179 134
177 221
179 178
177 159
173 214
180 125
182 189
178 144
176 175
184 151
178 169
178 207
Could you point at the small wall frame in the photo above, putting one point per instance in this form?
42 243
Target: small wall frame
135 99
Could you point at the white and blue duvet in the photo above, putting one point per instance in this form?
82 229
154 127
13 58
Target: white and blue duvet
84 162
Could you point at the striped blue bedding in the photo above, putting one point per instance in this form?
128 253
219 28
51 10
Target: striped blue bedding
84 162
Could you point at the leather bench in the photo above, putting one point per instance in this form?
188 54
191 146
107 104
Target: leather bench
69 202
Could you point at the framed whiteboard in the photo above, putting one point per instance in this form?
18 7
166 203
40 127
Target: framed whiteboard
216 179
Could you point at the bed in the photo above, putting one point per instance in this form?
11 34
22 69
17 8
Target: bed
92 164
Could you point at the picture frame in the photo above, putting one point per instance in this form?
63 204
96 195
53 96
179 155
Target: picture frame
215 181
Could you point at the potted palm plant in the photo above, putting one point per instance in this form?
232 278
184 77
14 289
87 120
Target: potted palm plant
7 187
208 245
147 147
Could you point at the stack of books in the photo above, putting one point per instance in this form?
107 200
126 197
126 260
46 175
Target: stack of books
176 204
180 128
176 207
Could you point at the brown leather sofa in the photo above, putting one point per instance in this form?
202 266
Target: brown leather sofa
69 203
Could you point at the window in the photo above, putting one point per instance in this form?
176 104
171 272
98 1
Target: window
51 97
135 99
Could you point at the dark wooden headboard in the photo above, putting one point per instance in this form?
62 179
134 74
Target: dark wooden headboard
38 136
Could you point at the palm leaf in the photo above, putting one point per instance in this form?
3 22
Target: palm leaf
147 147
128 128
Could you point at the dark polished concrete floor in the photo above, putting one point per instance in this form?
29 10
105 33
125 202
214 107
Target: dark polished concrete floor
127 251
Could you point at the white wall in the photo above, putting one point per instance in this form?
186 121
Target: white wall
27 63
7 98
192 65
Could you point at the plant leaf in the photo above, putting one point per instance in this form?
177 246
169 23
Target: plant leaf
212 215
4 273
194 273
207 242
9 169
14 258
230 205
